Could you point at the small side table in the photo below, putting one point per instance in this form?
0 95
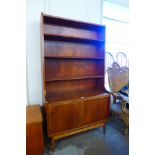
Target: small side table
34 131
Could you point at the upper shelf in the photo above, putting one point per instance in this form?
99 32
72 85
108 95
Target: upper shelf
71 22
66 38
73 57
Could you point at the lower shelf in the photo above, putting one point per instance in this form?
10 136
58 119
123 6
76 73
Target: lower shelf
83 94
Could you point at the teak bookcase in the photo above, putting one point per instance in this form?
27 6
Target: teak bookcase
73 76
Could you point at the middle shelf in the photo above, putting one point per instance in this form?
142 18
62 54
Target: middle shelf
66 38
66 78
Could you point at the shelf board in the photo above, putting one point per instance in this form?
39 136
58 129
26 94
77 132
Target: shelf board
84 94
71 22
73 57
66 38
74 78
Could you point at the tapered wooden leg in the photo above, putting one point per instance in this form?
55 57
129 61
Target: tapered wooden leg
53 145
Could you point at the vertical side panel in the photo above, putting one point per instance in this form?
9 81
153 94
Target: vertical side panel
42 57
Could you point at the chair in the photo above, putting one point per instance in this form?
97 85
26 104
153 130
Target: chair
121 59
109 60
118 78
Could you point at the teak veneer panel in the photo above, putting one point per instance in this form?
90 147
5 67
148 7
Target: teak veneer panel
53 48
87 110
73 85
95 110
57 67
64 117
71 31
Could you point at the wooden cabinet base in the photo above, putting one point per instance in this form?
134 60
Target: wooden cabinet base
72 117
73 132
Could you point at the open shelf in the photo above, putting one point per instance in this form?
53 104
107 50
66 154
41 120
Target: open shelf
67 38
83 94
73 57
71 22
74 78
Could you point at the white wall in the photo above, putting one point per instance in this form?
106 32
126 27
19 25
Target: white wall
34 85
86 10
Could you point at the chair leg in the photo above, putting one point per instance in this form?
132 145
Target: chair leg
114 99
126 131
